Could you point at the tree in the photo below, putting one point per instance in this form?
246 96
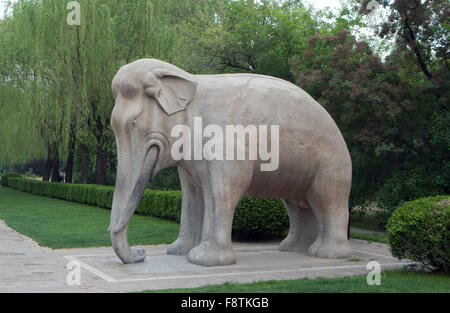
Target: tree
37 85
344 75
421 26
61 74
245 36
392 120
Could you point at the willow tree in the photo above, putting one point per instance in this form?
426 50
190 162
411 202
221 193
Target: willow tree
33 84
59 75
112 34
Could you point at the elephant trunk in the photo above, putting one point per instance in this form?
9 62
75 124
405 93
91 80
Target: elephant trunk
124 252
130 187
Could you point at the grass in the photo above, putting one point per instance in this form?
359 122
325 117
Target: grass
57 223
368 237
403 281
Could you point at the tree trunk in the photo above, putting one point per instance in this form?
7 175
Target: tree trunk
55 170
415 47
100 166
48 166
85 163
70 156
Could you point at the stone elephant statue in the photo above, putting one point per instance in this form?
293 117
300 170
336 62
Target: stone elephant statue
310 166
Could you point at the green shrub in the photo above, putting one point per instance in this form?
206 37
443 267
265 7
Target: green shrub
253 218
173 205
4 178
419 230
146 203
167 179
259 218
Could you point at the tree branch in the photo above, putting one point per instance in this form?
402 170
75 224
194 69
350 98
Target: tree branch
414 46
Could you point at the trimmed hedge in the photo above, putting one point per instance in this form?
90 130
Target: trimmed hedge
419 230
4 178
253 217
259 218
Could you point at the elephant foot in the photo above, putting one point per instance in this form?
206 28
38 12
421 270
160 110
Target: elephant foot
298 243
206 255
330 249
289 245
180 247
138 255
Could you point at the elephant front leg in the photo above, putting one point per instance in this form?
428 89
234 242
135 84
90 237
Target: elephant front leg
221 195
191 222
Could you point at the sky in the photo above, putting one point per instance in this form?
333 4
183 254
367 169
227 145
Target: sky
2 7
322 4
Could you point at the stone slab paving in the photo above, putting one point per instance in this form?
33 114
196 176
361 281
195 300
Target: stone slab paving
26 267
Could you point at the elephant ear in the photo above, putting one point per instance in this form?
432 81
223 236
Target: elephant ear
175 92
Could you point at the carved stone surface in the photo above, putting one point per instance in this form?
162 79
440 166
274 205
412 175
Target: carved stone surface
313 173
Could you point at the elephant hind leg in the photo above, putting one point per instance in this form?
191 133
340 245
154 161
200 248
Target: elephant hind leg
303 227
328 198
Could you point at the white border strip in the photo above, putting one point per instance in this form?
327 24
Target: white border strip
93 270
258 272
235 249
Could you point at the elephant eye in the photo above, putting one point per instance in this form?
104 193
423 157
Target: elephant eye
133 123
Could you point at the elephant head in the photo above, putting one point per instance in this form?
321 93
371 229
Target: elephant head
145 97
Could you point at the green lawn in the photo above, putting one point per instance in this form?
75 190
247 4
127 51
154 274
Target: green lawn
391 281
368 237
61 224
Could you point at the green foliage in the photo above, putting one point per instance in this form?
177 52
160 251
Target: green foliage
419 230
244 36
419 27
395 123
259 218
366 221
344 75
421 176
4 178
407 185
94 195
55 80
167 179
254 218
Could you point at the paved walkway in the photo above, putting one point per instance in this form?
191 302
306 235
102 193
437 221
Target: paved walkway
26 267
